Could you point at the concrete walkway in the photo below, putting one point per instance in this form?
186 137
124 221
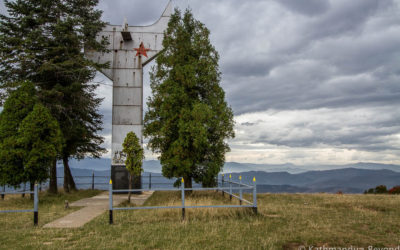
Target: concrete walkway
93 207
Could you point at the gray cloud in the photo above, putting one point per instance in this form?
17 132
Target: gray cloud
307 79
306 7
138 12
363 129
344 70
345 18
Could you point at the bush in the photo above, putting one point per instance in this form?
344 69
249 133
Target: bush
394 190
381 189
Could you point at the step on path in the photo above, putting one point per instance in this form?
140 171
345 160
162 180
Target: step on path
93 207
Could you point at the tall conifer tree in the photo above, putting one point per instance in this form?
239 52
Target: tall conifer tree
40 140
30 138
17 107
43 41
188 119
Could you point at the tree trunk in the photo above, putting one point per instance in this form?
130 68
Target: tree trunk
66 186
130 187
188 184
23 194
53 178
69 181
137 183
32 184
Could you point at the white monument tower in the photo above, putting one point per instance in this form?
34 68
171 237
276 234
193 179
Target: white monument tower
130 48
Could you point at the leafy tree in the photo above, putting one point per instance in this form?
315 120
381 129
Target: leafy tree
30 138
40 139
43 41
134 157
394 190
80 125
369 191
188 119
381 189
16 108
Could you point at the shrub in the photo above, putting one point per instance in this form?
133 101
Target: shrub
381 189
394 190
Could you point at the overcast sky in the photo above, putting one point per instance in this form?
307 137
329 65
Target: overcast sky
309 81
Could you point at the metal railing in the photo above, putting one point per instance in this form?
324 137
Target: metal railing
100 182
89 181
239 186
93 181
35 209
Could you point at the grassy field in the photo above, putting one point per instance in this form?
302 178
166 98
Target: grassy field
285 221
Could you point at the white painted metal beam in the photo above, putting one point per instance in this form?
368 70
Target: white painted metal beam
126 73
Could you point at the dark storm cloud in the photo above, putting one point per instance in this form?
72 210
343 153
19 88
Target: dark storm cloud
252 68
299 74
347 56
293 54
138 12
345 18
306 7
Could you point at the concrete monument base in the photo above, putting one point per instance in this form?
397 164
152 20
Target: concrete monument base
120 179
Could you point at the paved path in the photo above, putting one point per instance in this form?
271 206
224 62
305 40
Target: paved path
93 207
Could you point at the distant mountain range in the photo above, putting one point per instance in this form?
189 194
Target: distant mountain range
232 167
347 180
289 178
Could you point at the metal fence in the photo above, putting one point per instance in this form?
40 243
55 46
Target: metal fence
148 180
90 181
100 182
35 209
227 186
224 186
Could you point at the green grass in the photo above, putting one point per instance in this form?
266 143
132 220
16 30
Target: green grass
285 221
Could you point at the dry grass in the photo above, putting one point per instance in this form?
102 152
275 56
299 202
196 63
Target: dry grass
285 221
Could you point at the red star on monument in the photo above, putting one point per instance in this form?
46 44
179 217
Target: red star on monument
141 50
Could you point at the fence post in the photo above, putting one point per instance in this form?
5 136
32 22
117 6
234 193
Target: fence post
110 197
35 205
149 180
255 195
92 180
230 187
240 190
4 190
23 194
216 190
223 185
183 199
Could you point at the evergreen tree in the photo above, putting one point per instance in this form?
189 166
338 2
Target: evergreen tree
188 119
43 41
40 140
30 138
134 157
16 108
